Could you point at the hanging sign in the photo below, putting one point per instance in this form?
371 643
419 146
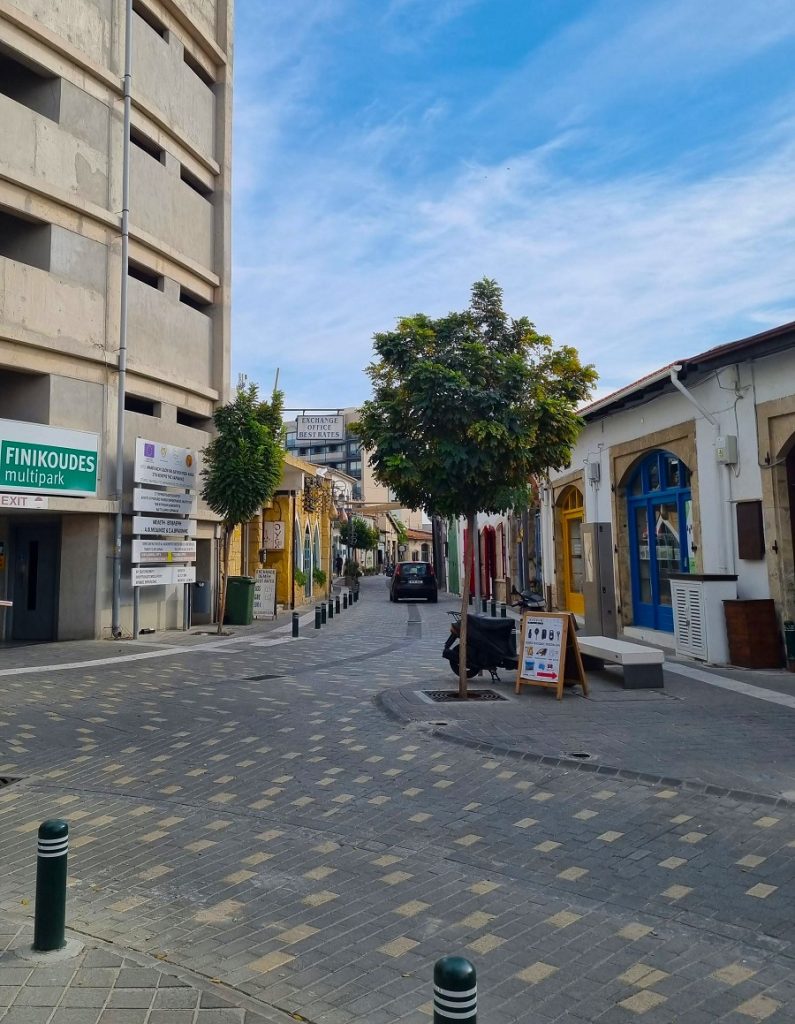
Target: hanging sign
162 575
274 536
319 428
163 503
164 464
163 550
548 652
265 594
155 527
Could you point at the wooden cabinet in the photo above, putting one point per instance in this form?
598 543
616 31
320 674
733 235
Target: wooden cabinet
753 634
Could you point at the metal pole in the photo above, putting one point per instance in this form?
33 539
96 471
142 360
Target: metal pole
476 567
455 991
323 613
503 611
331 608
318 620
136 612
337 602
186 609
50 912
345 599
295 623
122 378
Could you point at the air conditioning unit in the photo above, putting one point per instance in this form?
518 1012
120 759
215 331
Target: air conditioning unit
699 623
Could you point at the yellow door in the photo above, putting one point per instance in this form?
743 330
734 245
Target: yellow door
572 520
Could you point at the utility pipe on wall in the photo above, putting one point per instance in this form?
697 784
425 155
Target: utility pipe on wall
122 381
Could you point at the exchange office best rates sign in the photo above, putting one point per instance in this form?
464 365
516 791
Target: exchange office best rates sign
48 460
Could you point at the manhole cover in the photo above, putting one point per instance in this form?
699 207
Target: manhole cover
7 780
445 696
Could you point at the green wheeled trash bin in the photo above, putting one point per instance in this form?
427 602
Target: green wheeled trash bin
240 601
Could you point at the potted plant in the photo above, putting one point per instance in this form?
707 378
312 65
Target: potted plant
352 573
319 576
300 578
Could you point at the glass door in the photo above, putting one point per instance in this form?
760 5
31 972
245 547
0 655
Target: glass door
573 561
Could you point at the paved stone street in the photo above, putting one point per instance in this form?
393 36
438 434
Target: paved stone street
280 822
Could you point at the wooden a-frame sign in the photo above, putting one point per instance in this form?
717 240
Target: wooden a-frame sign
549 655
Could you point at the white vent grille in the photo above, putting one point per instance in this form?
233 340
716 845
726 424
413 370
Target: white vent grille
689 625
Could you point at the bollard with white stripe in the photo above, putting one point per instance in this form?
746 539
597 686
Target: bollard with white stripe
455 991
50 915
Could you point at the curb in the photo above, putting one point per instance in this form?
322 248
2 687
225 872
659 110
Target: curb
383 703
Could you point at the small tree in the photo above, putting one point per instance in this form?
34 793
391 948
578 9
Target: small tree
465 410
358 535
243 464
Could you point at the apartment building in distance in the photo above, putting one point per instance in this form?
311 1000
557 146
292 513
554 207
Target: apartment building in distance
61 180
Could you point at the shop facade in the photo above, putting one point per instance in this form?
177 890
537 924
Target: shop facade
689 473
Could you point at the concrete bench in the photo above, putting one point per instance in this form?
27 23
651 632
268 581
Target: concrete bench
642 665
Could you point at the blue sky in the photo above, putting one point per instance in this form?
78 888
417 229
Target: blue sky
623 168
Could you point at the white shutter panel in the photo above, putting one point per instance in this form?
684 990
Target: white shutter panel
695 613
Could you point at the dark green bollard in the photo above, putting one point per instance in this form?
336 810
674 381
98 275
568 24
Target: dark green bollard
318 617
345 600
470 599
331 608
455 991
323 613
50 915
503 611
337 603
789 644
355 596
295 623
483 605
493 609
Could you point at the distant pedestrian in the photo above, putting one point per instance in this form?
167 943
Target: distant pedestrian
338 564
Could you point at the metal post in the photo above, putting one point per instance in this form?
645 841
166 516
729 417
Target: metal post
295 623
337 603
483 604
186 609
355 595
50 912
136 612
503 611
331 608
345 599
455 991
317 617
493 608
323 613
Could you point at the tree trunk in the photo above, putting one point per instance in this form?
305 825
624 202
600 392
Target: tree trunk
225 579
462 647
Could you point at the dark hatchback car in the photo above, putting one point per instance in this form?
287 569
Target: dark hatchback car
413 579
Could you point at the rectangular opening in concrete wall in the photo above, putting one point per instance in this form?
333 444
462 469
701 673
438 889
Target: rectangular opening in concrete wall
191 419
195 301
137 138
199 70
145 275
24 396
29 84
192 181
25 239
144 406
150 18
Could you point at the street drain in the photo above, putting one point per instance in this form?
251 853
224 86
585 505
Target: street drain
446 696
580 755
7 780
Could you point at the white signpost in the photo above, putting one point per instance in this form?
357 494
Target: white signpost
149 551
265 594
319 428
164 465
161 575
163 503
149 526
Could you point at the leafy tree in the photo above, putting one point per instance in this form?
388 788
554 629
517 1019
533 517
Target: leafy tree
362 536
466 409
242 463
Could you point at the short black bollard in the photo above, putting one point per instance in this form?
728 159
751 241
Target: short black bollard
503 611
470 599
50 914
296 617
483 604
318 617
345 599
331 608
337 603
323 613
493 609
455 991
355 596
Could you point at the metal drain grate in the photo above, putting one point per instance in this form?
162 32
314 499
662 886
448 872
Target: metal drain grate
8 780
445 696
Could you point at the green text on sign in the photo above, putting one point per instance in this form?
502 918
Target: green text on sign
47 468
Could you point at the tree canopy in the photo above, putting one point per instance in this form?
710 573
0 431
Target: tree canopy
362 536
468 407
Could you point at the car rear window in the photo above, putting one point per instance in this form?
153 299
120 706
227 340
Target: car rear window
414 569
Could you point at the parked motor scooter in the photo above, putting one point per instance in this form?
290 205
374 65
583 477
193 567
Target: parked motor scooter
528 600
491 645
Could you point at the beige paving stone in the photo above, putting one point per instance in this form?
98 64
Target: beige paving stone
572 874
761 891
666 794
547 846
680 819
751 861
386 861
317 899
257 858
486 943
297 934
152 837
677 892
270 962
272 833
468 840
604 794
586 814
398 947
158 871
319 873
759 1008
395 878
642 1002
127 904
200 845
419 818
733 974
693 837
610 837
326 847
411 909
563 919
443 784
766 821
542 796
634 931
477 919
219 913
484 888
239 876
81 841
526 823
536 973
672 862
378 800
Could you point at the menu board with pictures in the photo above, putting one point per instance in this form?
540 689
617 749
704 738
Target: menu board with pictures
548 653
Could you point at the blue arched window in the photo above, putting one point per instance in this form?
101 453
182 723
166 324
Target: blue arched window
659 509
308 567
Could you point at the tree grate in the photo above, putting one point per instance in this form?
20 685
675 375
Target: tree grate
446 696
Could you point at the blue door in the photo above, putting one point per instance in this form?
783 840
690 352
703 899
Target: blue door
658 501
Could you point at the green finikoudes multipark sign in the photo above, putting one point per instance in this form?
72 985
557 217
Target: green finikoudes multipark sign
48 460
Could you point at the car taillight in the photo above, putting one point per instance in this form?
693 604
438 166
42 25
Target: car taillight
397 570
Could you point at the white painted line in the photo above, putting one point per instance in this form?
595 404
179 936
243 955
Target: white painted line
724 683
